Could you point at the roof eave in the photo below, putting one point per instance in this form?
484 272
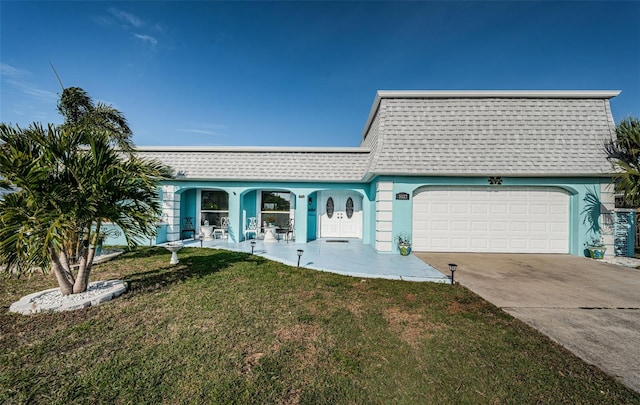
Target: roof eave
268 149
491 174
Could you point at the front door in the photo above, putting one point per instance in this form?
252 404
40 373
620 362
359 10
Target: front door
340 214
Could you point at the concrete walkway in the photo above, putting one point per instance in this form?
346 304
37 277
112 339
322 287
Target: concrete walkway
349 257
589 307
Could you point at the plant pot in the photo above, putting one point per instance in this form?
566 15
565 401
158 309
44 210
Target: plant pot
597 252
405 250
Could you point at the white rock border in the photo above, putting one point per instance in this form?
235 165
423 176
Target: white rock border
52 300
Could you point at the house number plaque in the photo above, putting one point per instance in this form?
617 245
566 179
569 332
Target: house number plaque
402 196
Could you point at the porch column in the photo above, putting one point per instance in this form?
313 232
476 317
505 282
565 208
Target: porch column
235 216
171 211
384 216
300 220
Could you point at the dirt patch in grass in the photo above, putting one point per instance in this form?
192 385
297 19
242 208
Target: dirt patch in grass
298 333
466 304
356 307
303 340
251 360
410 327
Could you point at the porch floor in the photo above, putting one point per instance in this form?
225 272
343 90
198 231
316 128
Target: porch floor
349 257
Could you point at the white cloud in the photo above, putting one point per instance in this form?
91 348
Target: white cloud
147 38
33 90
126 18
12 71
14 76
208 129
198 131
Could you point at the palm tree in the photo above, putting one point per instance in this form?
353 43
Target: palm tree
79 111
67 181
624 154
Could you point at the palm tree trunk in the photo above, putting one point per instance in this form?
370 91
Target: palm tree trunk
63 275
86 261
82 279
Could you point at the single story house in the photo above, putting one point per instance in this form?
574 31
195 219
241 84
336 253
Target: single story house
458 171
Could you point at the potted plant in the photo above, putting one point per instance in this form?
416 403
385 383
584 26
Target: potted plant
596 248
404 243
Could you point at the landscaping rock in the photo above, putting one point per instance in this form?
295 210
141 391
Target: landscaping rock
52 300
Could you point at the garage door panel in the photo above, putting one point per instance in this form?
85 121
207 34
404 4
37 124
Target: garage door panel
460 226
519 209
519 244
558 209
498 226
498 244
479 226
539 209
481 219
459 244
479 208
477 244
460 209
498 209
440 226
439 243
438 208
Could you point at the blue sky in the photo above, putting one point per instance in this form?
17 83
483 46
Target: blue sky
301 73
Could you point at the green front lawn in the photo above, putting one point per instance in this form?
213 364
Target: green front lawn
224 327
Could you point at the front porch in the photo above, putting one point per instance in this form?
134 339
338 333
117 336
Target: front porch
349 257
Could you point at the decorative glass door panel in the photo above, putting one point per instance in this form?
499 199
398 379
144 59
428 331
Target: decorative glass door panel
341 215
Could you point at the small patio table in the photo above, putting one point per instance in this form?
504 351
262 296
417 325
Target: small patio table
270 233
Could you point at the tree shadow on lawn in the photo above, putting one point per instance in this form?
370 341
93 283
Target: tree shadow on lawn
194 263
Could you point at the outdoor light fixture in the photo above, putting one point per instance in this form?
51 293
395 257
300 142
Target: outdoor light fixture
200 237
300 252
452 268
253 245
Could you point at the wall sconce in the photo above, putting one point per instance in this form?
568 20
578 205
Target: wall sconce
300 252
452 268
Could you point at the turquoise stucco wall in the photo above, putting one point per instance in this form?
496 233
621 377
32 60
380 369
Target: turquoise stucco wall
243 196
188 209
120 240
312 217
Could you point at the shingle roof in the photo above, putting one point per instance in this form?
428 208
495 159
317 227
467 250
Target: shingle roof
267 164
489 133
437 133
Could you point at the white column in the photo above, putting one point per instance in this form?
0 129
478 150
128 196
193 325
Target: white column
607 213
171 211
384 216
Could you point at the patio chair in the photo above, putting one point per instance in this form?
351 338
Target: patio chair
223 230
187 227
287 231
252 228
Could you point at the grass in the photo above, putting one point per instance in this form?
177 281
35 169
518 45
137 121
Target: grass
224 327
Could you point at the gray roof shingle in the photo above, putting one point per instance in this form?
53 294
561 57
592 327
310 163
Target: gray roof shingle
509 133
267 164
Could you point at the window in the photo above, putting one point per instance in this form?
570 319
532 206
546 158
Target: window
349 207
213 206
330 207
275 208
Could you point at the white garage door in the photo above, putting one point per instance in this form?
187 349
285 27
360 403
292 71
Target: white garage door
491 219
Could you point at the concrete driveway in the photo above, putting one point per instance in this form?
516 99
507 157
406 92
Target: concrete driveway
589 307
